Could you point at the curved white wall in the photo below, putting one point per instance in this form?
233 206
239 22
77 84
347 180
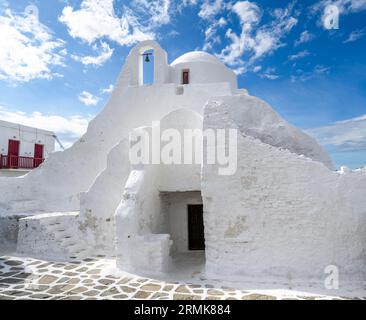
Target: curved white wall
203 72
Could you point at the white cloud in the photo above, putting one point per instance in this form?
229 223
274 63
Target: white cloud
344 6
157 10
209 9
68 129
346 135
63 52
187 3
257 68
98 19
231 53
355 35
240 70
28 49
211 36
299 55
88 99
248 13
301 75
269 74
108 90
256 42
305 36
105 54
173 33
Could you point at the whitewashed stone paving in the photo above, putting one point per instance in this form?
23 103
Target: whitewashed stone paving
28 278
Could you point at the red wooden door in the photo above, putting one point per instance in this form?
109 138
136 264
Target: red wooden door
38 154
185 77
13 154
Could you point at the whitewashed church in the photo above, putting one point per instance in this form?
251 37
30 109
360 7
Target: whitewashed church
284 213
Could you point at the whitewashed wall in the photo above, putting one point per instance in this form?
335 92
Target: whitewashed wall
74 171
282 215
98 205
144 223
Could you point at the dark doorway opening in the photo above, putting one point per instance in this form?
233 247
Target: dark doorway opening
196 234
185 77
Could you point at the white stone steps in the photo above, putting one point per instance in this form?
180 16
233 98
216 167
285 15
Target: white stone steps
51 234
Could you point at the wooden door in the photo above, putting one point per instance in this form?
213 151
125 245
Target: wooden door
196 234
38 154
185 77
13 154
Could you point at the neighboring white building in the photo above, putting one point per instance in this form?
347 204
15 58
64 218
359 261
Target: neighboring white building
284 214
23 148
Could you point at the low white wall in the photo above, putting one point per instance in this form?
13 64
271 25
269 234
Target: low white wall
141 247
12 172
50 236
281 215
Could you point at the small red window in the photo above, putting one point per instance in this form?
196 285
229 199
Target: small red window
185 77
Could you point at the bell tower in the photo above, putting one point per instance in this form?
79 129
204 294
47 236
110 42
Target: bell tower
143 53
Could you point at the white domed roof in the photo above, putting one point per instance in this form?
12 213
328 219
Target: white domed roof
196 56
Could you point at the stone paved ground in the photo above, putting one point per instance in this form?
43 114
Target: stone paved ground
27 278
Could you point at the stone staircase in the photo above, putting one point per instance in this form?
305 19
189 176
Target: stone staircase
52 235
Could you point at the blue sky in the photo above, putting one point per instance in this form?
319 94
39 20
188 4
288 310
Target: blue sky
59 59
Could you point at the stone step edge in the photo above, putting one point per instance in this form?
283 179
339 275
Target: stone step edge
46 215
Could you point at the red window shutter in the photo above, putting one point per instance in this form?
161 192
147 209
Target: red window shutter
13 154
38 151
13 148
38 154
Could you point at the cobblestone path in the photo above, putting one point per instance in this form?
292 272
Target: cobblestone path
27 278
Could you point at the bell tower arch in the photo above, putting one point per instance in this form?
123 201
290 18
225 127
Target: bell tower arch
133 71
